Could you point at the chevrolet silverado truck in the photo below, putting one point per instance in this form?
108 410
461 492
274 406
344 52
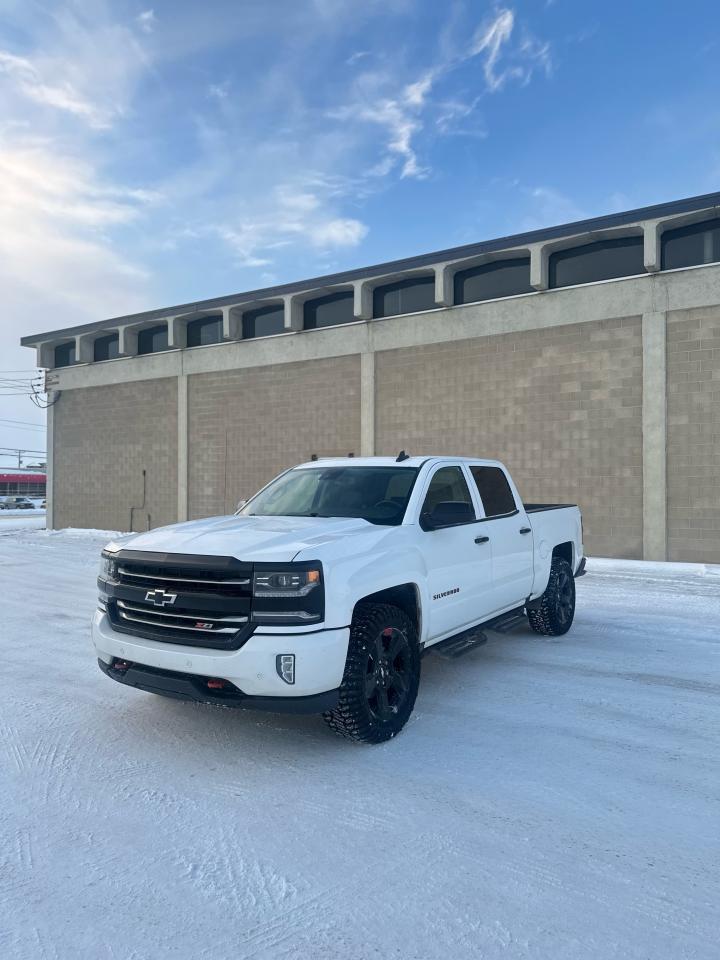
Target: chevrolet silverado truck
323 592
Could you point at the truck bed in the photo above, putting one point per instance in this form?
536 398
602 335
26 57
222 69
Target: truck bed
538 507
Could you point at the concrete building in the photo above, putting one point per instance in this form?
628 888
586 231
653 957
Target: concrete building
586 356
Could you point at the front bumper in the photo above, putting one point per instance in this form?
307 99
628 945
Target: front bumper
319 660
187 686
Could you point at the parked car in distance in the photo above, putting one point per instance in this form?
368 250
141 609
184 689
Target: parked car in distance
17 503
326 588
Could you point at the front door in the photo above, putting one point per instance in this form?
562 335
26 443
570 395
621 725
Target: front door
458 559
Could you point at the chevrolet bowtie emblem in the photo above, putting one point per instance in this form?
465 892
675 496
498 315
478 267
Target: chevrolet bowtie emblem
160 598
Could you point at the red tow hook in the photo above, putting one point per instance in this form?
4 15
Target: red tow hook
216 684
121 665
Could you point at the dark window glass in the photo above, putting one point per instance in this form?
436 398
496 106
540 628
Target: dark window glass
106 348
329 311
404 296
501 278
264 322
65 354
688 246
494 490
153 339
448 485
603 260
377 494
204 330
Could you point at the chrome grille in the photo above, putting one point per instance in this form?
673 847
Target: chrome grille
179 621
206 600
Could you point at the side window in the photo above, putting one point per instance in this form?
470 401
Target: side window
447 486
494 490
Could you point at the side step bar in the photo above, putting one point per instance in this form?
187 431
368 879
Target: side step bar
461 643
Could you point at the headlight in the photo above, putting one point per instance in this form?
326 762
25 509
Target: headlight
285 583
290 595
108 567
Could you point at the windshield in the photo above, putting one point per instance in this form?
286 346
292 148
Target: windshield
377 494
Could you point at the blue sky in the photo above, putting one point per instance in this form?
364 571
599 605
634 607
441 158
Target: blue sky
155 154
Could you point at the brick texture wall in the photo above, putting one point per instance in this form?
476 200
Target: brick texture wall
104 438
562 407
693 408
245 426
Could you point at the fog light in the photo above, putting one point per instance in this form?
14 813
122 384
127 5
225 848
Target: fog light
285 666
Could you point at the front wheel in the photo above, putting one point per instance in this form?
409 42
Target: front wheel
382 675
555 613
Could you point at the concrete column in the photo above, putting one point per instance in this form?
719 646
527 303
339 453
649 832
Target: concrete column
444 285
49 470
539 256
127 341
231 323
46 355
363 300
177 332
654 424
367 404
293 312
651 234
182 447
85 347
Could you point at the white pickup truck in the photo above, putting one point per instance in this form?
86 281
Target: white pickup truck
322 593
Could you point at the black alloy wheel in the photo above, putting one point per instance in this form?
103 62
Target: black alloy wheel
382 675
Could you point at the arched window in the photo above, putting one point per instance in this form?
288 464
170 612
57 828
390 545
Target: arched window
602 260
404 296
65 354
153 339
329 311
490 281
264 322
106 348
205 330
691 245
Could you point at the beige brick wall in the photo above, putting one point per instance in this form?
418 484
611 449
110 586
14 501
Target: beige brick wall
562 407
693 431
104 438
246 426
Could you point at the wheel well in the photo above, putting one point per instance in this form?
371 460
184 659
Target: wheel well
565 551
404 596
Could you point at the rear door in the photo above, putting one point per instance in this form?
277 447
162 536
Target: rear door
457 558
510 533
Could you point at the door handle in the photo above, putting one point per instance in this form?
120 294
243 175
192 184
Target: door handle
525 529
482 539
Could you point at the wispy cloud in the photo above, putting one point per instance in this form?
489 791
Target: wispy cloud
30 83
146 21
293 213
404 114
53 248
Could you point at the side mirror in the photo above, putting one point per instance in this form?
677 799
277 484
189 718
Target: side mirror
447 513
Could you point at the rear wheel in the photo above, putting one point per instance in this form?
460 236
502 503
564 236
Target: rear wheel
382 675
555 613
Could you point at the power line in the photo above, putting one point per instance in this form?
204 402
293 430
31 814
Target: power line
24 423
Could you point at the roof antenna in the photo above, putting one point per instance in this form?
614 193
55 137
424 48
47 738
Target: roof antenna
313 457
402 456
351 454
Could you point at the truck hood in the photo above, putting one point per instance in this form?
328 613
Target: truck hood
248 538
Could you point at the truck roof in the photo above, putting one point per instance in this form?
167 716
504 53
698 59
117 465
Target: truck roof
389 461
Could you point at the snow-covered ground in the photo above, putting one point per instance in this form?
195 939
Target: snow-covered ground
555 800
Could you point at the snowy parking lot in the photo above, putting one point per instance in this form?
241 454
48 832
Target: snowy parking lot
550 799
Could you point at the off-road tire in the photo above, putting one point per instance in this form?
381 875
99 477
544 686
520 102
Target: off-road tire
554 615
363 711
